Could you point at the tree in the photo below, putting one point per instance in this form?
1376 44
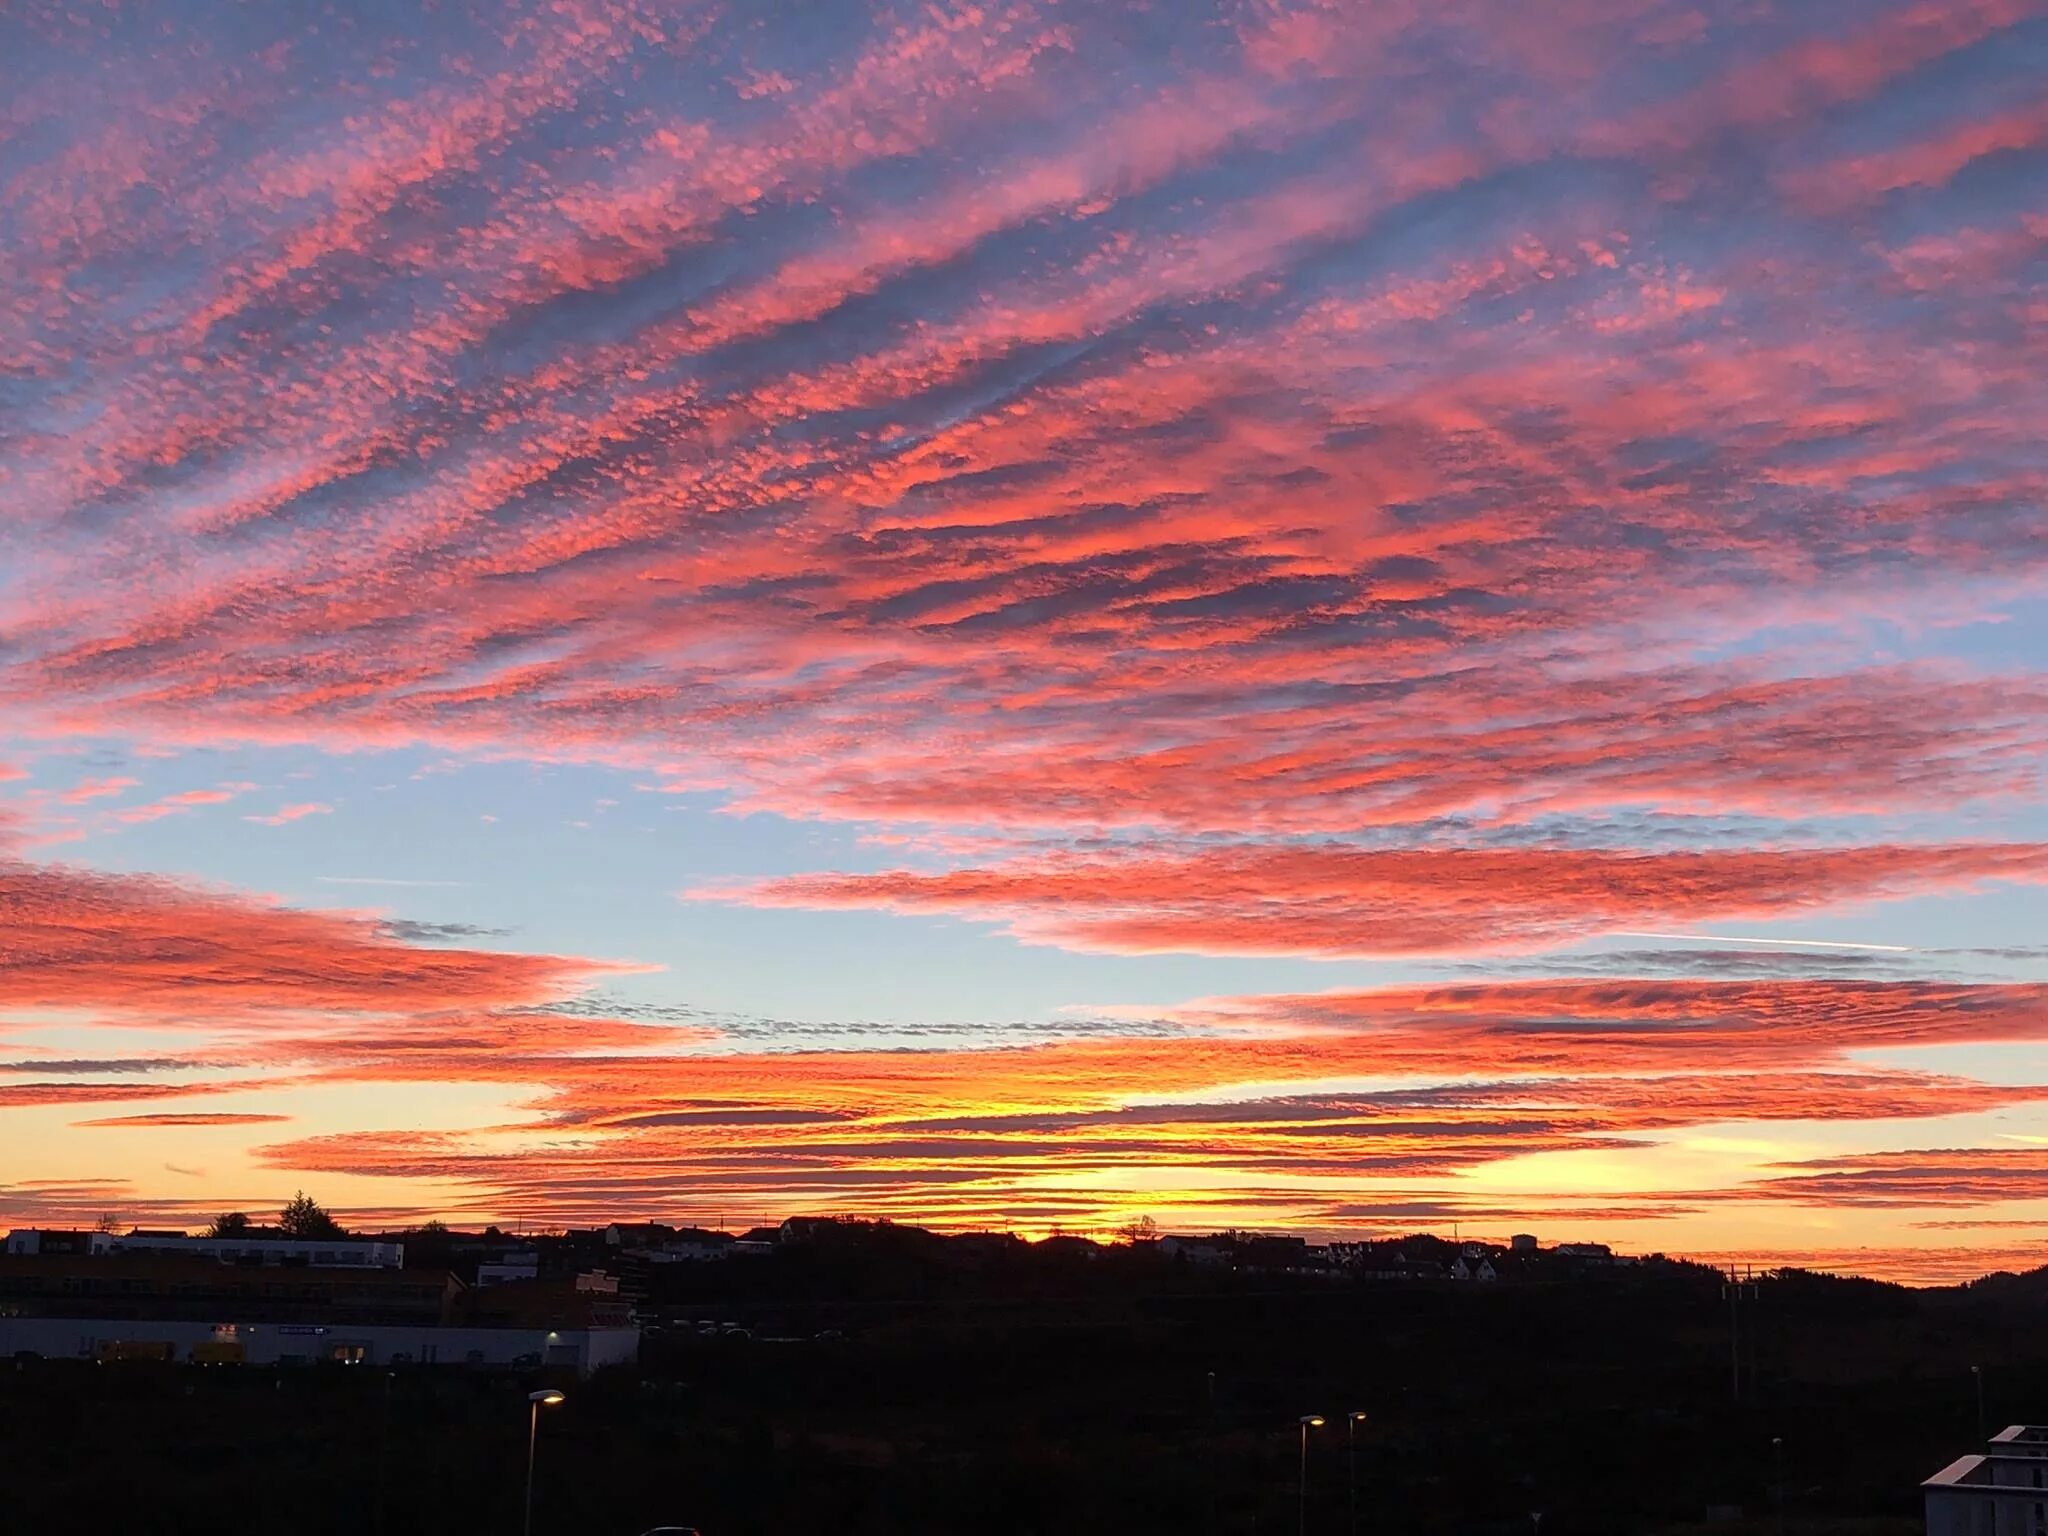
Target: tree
1142 1230
229 1224
304 1217
108 1222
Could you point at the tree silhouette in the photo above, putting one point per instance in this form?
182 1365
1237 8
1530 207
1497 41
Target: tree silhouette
229 1224
304 1217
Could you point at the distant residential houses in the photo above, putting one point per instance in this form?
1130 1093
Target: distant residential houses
1423 1258
579 1298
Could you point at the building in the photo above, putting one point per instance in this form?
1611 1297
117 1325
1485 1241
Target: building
694 1245
321 1253
512 1266
1205 1251
180 1305
183 1286
1523 1242
1585 1253
2002 1492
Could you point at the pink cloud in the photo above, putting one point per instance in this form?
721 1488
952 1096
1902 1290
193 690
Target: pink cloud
1330 900
290 813
87 790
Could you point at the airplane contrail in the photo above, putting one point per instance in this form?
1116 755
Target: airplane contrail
1719 938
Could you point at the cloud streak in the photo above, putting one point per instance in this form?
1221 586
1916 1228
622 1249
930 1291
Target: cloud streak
1330 900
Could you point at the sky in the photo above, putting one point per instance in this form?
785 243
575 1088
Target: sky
1334 617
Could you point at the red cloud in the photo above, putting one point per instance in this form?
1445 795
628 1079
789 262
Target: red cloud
1330 900
129 944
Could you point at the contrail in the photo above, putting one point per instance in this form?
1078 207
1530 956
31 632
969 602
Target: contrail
1719 938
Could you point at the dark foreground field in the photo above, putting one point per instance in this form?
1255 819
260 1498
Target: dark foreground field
1139 1402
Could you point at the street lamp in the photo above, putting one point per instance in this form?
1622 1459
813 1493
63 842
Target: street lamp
1309 1421
547 1397
1978 1372
1351 1422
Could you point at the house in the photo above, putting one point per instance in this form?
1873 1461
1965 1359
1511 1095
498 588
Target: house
313 1253
802 1229
2001 1492
175 1285
694 1245
1585 1253
637 1234
38 1240
512 1266
1205 1251
1066 1245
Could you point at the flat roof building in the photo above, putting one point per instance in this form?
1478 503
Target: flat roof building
2002 1492
311 1253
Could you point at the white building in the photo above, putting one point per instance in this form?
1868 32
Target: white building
1593 1253
2003 1492
315 1253
38 1240
513 1266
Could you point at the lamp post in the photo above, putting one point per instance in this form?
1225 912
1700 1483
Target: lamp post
548 1397
1309 1421
1977 1371
1351 1422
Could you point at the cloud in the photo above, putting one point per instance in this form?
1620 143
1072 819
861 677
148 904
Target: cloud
961 431
88 790
1253 1114
407 931
1915 1180
158 1121
290 813
1342 483
101 1065
1326 899
138 945
179 804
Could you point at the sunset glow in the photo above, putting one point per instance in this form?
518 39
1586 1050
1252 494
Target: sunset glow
1321 616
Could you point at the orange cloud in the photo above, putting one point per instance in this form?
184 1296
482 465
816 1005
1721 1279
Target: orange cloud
152 1121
